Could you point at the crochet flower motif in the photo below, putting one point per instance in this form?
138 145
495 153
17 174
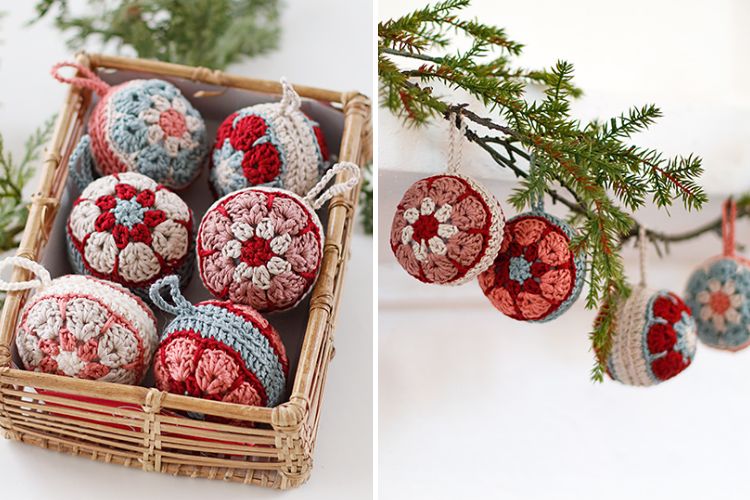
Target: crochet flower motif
260 247
170 125
717 293
670 335
441 231
128 229
535 277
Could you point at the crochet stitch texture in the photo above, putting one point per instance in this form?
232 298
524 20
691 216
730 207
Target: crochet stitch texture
270 144
535 276
88 328
144 126
218 350
128 229
654 338
261 247
446 230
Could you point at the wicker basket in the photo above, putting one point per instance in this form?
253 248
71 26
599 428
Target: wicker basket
144 428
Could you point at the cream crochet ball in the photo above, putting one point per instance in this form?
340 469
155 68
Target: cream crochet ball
447 229
654 338
270 144
88 328
128 229
218 350
144 126
263 246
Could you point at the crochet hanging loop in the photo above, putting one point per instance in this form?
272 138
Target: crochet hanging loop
171 284
537 202
88 80
456 134
316 197
42 277
290 99
642 254
728 216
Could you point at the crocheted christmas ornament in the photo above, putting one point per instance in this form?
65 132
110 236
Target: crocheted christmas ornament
128 229
653 333
271 144
218 350
263 246
83 327
718 292
144 126
654 338
447 228
535 276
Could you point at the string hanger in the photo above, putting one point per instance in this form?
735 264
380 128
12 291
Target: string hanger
537 202
290 99
456 134
642 253
89 80
316 197
728 217
42 277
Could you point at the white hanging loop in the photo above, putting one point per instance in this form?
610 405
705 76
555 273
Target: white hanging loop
642 253
42 279
316 197
290 99
456 135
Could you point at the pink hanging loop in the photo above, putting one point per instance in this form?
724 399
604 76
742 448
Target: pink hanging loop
90 80
728 216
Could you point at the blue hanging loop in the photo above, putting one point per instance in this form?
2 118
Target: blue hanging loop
179 303
83 174
537 203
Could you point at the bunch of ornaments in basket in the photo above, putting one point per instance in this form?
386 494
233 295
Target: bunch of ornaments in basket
134 242
448 229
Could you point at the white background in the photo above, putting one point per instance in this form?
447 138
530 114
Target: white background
326 43
474 405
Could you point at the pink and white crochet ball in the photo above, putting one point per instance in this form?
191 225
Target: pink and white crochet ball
260 247
447 229
87 328
128 229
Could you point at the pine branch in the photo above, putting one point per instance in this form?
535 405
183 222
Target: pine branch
591 168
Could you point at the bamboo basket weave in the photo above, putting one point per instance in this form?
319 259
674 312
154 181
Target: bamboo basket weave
140 427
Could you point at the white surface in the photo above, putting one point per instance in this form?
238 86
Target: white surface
343 455
687 57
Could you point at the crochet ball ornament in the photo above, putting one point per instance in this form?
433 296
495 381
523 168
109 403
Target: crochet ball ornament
128 229
719 293
144 126
218 350
263 246
535 276
87 328
654 338
447 229
271 144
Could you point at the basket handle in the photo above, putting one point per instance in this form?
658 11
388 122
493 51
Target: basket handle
82 174
316 197
179 303
89 80
42 279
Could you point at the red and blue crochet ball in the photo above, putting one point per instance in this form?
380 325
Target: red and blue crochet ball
535 277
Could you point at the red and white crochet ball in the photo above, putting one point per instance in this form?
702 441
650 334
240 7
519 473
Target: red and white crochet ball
128 229
447 229
654 338
261 247
535 276
87 328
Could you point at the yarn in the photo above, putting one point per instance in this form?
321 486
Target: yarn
535 276
653 333
447 228
83 327
270 144
218 350
718 292
144 126
263 246
654 338
128 229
